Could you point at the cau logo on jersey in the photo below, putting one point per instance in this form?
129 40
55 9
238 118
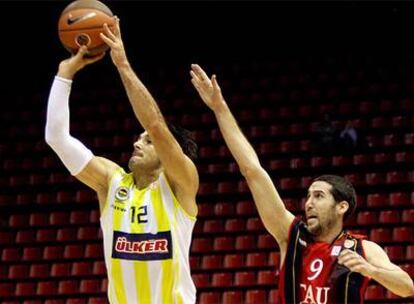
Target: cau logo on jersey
142 246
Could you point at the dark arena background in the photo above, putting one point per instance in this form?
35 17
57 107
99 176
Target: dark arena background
294 74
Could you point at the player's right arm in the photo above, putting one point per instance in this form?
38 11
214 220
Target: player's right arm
272 211
77 158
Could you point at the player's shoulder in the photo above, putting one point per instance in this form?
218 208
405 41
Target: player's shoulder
372 249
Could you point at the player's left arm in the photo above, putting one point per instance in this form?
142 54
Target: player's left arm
180 170
378 266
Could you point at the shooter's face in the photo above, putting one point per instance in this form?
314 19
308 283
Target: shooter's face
320 208
144 157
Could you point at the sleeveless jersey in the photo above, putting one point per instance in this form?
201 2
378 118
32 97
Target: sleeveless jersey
311 275
147 237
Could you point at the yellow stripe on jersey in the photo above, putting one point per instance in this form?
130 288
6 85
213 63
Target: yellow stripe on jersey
142 280
163 223
116 267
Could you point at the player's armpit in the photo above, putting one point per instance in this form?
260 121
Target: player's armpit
97 174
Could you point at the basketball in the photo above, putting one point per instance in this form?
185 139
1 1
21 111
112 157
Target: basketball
81 22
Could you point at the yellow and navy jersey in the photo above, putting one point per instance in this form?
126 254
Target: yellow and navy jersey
147 237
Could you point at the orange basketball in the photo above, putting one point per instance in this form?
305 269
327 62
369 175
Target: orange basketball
80 24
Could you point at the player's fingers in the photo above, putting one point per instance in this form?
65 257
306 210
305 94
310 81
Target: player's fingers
108 32
352 263
194 76
107 40
81 52
200 72
196 85
117 27
215 84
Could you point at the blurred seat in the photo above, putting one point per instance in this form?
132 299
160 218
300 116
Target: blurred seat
46 288
245 242
18 271
201 280
79 217
210 297
32 253
395 252
11 254
26 236
235 225
212 226
266 241
381 235
46 235
53 252
400 199
25 289
82 268
223 243
87 233
7 289
66 234
375 178
255 296
232 297
222 279
61 270
202 245
367 218
274 259
408 216
18 220
245 278
245 208
254 224
389 217
403 234
94 251
99 268
211 261
233 261
257 259
39 219
274 296
397 177
68 287
39 271
74 251
59 218
90 286
266 277
374 292
377 200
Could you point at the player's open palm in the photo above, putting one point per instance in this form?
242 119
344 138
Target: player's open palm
208 89
114 40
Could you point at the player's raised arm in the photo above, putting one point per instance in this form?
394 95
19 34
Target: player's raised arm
179 169
272 211
78 159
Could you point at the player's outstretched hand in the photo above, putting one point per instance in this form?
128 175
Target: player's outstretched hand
114 40
208 89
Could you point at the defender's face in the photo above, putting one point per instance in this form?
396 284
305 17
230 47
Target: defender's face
144 155
320 208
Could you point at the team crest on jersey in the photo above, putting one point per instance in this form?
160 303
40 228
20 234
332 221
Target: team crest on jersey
122 193
142 246
349 244
336 250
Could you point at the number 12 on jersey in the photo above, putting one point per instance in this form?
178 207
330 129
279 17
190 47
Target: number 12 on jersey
141 215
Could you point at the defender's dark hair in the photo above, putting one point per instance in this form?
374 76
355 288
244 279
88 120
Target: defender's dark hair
185 140
342 190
